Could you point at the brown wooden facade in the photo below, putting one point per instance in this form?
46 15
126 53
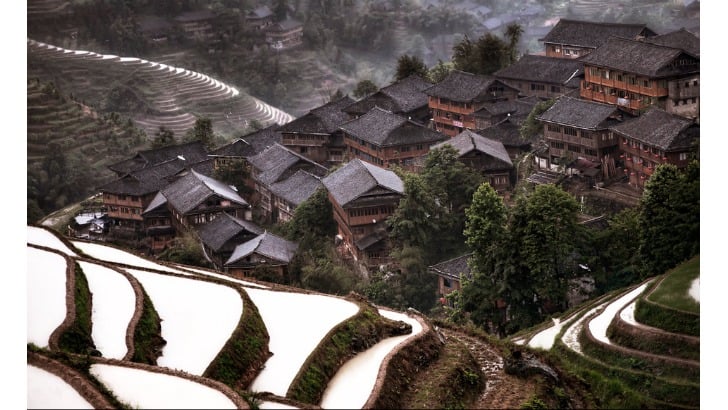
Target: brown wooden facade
629 91
570 143
452 117
641 159
325 149
404 156
126 210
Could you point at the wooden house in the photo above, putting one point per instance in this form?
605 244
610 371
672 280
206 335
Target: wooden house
487 156
453 101
284 34
385 139
316 135
637 74
450 274
265 250
363 196
288 194
196 25
577 129
542 76
682 39
195 199
191 152
493 112
221 236
272 166
259 18
508 133
576 38
405 97
656 137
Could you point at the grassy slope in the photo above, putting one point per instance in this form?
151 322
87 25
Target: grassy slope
672 291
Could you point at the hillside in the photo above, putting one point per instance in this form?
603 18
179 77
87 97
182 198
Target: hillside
102 317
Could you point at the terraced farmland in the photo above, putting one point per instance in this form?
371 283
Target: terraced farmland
150 93
652 348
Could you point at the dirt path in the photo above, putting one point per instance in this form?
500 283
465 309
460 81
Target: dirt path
502 391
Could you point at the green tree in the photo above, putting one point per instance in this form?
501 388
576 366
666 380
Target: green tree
615 252
418 288
485 223
669 219
202 131
488 54
513 33
415 221
234 173
163 137
531 127
364 88
408 65
440 71
313 220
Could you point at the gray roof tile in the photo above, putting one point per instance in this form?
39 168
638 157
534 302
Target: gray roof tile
357 178
681 39
468 141
579 113
191 190
297 188
661 129
192 152
535 68
463 87
325 119
223 228
383 128
592 34
276 161
638 57
268 245
453 268
401 97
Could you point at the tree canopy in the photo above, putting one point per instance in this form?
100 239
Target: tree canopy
364 88
408 65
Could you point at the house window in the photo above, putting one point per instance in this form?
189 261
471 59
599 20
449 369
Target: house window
574 148
619 78
695 83
446 282
538 87
605 74
555 89
589 151
553 128
570 131
647 83
662 84
694 100
632 80
594 71
557 145
687 84
683 156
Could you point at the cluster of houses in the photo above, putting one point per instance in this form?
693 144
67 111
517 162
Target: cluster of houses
626 101
202 25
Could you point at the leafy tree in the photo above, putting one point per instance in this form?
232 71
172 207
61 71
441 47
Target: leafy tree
415 221
531 126
336 96
417 285
408 65
669 218
364 88
615 252
440 71
202 131
186 250
513 33
488 54
313 219
234 173
326 276
524 265
163 137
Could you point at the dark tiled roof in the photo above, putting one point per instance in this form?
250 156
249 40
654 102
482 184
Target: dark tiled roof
325 119
297 188
592 34
146 180
507 132
189 191
453 268
206 167
681 39
468 141
262 139
357 178
237 149
462 86
553 70
383 128
276 160
372 239
153 24
268 245
661 129
637 57
223 228
579 113
408 93
192 152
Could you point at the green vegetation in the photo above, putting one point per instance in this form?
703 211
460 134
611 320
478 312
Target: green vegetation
185 250
239 361
82 364
77 338
354 335
489 53
148 341
672 290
